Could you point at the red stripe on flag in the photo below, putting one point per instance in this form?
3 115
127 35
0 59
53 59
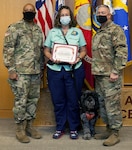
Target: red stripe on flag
44 17
42 22
48 18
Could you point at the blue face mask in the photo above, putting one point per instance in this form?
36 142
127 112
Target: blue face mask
65 20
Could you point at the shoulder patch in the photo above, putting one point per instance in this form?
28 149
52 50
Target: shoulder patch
7 34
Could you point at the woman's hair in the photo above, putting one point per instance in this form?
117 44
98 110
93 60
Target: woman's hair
72 23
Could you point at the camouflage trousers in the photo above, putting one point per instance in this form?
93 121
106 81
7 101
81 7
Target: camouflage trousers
27 93
109 101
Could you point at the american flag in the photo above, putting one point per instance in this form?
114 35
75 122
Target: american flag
45 15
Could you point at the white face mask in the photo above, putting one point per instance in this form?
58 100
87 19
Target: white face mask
65 20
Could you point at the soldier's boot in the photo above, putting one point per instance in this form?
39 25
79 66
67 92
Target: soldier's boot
31 131
103 135
112 139
20 134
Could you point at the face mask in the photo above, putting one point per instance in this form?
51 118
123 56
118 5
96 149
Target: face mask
101 19
65 20
28 16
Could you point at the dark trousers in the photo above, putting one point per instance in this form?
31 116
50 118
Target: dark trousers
79 75
64 97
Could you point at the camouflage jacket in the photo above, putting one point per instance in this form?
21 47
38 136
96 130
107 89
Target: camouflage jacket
23 48
109 50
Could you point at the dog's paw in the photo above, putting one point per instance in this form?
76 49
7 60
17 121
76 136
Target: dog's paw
86 136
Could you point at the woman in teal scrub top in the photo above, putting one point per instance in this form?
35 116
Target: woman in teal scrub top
65 79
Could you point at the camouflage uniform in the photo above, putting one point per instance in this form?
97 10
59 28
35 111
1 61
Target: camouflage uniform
23 55
109 52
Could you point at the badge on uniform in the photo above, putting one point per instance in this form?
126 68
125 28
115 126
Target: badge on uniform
74 33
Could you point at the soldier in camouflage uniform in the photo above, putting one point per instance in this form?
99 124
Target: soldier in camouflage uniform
109 50
23 58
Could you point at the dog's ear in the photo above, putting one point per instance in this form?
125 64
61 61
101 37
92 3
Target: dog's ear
83 96
82 100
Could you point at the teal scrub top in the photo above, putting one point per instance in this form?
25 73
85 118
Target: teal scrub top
74 36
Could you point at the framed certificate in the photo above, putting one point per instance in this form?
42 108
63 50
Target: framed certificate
64 53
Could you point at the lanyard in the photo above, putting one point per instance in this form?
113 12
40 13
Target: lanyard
65 38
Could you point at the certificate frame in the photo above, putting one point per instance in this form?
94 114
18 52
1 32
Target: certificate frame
64 52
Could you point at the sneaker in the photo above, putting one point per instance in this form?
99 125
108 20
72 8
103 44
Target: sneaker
57 134
74 135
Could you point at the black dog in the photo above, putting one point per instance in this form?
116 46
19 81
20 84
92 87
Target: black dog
89 106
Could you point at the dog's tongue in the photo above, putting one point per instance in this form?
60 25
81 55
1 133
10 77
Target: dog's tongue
89 116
